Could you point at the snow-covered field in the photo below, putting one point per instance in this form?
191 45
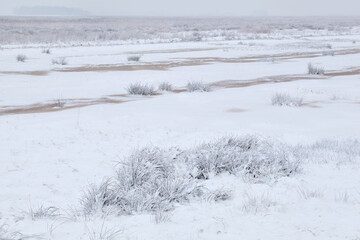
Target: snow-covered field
65 128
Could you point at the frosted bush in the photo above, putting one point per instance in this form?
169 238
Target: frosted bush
140 89
135 58
147 164
197 87
315 70
147 181
155 180
59 61
46 51
283 99
21 58
251 157
165 86
217 157
97 197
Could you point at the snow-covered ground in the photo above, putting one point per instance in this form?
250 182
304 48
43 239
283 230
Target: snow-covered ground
64 127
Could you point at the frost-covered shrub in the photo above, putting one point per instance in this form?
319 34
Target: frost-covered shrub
134 58
219 156
315 70
283 99
97 197
251 157
140 89
147 164
328 46
21 58
46 51
165 87
269 161
100 198
197 87
154 180
147 181
59 61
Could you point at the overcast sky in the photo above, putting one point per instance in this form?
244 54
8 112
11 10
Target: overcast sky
196 7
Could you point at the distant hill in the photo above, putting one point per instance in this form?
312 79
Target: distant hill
47 10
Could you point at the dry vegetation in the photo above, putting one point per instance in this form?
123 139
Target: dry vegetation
99 30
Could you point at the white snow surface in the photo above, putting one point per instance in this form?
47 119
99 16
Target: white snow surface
49 158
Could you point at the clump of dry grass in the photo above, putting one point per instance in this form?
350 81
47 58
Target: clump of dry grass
197 87
21 58
134 58
148 181
315 70
43 212
283 99
165 87
253 158
46 51
59 61
140 89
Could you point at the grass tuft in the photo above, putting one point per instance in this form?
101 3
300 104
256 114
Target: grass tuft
46 51
147 181
165 87
59 61
134 58
140 89
43 212
255 159
21 58
283 99
315 70
197 87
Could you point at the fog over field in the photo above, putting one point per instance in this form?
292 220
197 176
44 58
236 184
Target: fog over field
196 8
179 120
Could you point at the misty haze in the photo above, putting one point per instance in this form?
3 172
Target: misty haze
179 120
48 11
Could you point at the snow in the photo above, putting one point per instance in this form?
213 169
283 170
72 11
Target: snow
50 158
